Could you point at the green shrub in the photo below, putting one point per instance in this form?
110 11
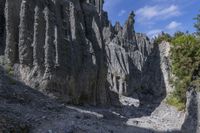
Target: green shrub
2 60
197 24
162 37
185 56
9 70
175 101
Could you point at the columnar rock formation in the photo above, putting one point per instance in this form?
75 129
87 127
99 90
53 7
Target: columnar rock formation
59 48
12 16
2 27
134 62
69 49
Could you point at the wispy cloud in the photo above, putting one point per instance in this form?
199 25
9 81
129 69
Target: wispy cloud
173 25
170 28
121 13
156 12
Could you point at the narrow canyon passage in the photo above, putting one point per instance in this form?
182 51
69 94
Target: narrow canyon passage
66 68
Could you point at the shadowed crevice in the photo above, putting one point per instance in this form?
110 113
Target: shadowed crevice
2 27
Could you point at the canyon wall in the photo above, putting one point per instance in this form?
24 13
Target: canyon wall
69 49
135 64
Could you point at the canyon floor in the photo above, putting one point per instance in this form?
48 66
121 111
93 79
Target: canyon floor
23 109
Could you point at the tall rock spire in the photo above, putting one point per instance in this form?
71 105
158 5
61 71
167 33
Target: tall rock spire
99 5
128 30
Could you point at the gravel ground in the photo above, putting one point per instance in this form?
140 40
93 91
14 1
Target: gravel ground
25 110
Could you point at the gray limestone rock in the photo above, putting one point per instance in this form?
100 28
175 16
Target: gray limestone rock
12 12
165 65
69 49
192 122
58 47
128 30
135 65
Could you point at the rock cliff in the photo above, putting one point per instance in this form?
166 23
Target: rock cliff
58 47
192 122
69 49
134 63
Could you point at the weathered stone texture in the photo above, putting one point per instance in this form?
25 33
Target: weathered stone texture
12 11
134 63
192 122
59 46
69 49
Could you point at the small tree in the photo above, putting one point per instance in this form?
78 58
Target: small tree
178 34
197 24
162 37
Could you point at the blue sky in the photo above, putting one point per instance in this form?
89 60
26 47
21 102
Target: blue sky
154 16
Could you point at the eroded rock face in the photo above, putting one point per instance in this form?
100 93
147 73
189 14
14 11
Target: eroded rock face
165 65
134 62
59 47
192 122
69 49
12 17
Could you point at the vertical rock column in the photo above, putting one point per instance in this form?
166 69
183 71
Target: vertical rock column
2 27
78 45
26 32
101 73
94 35
50 39
62 34
58 33
99 5
65 52
12 9
39 37
192 118
128 30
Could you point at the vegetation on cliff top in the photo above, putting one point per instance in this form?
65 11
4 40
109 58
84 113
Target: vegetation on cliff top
185 56
197 24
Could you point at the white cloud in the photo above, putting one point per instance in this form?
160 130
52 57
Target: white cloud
173 25
157 12
154 33
121 13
